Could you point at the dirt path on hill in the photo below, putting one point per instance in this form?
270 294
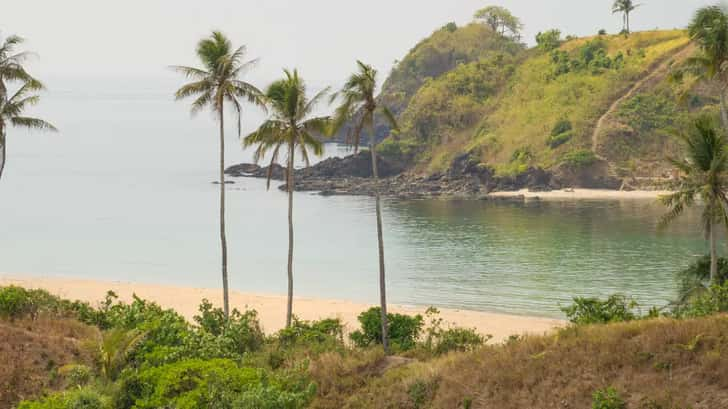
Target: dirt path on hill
662 68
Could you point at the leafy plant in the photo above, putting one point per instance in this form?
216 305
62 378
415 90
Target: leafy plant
441 340
616 308
549 40
579 158
608 399
404 330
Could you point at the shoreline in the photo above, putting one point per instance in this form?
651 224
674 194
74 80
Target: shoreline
583 194
271 308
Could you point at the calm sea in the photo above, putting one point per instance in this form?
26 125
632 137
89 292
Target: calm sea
124 192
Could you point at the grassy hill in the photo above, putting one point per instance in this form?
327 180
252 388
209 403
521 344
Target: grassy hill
591 100
444 50
655 364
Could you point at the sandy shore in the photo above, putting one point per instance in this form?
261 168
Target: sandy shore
271 308
585 194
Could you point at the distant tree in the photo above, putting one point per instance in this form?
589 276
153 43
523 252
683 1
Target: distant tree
12 107
358 96
602 32
214 85
709 29
500 20
704 176
291 127
626 7
549 40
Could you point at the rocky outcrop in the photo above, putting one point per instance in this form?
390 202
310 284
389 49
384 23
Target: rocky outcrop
466 177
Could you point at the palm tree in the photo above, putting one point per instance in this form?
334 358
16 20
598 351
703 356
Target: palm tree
625 7
358 96
705 177
709 29
214 85
290 127
12 107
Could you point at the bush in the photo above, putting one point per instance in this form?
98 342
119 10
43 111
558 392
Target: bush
325 332
616 308
73 399
404 330
608 399
548 40
560 134
712 301
602 32
579 158
217 383
695 278
441 341
15 302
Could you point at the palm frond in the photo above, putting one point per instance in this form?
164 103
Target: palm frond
389 116
32 123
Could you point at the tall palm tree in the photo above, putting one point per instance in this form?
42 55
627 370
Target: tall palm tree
290 127
705 177
213 86
709 29
625 7
358 96
13 106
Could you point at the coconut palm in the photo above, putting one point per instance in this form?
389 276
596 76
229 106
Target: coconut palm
709 29
291 127
357 96
214 86
12 107
704 176
625 7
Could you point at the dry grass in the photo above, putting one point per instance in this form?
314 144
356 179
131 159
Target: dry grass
32 351
653 364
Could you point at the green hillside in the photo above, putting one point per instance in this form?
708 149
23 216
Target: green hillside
447 48
591 99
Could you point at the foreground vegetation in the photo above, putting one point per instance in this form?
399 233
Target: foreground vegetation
66 354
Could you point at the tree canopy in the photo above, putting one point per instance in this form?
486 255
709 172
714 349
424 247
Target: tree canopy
500 19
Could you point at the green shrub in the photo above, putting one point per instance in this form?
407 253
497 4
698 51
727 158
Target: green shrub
71 399
712 301
75 375
404 330
579 158
607 399
441 341
616 308
694 279
217 383
554 141
548 40
324 332
15 302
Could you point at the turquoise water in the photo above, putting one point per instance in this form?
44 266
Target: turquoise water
124 193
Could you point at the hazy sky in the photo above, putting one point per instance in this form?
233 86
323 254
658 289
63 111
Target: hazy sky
322 38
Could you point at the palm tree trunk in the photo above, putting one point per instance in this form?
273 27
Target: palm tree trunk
380 239
3 151
223 239
724 107
713 253
626 17
289 309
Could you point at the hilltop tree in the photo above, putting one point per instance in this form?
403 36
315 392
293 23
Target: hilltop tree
500 19
213 86
626 7
358 96
704 176
709 29
12 107
291 127
549 40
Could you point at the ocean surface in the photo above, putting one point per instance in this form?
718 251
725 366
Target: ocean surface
124 193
